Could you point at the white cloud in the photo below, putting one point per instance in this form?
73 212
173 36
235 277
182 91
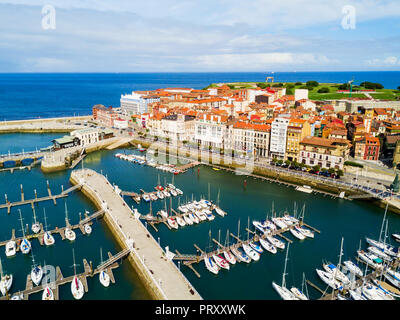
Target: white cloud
384 62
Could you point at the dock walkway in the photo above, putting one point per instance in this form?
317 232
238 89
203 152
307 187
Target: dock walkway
162 276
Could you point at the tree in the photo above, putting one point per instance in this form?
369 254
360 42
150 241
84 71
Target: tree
398 88
298 84
323 90
274 160
331 170
340 173
316 168
231 86
287 162
262 85
344 86
312 83
280 161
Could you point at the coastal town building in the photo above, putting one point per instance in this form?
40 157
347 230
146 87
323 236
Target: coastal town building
137 103
278 137
325 153
251 139
296 131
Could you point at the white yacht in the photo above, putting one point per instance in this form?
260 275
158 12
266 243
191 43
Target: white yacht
194 217
240 255
276 242
211 265
180 221
48 239
279 222
173 192
104 278
334 271
47 294
268 246
221 262
70 234
298 294
250 252
146 197
229 257
329 280
36 274
221 212
87 228
160 195
353 268
77 288
36 225
306 232
297 234
172 223
25 245
380 253
11 248
373 260
5 281
372 292
187 220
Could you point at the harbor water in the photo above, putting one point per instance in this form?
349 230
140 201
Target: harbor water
242 197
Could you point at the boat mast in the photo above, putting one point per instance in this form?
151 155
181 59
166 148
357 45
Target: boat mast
383 222
73 257
337 267
284 269
218 198
22 226
1 269
101 255
66 213
45 220
238 233
208 191
34 215
248 226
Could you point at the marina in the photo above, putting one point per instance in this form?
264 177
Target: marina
196 182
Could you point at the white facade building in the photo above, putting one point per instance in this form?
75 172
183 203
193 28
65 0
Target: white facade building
300 94
212 131
278 137
136 103
178 127
86 136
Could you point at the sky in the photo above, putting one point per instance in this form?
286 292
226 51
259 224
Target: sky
199 36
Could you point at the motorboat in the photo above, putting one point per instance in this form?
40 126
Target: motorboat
87 228
48 239
201 215
183 209
284 292
25 246
372 292
298 294
380 253
104 278
279 223
229 257
306 232
221 212
221 262
37 275
36 227
187 220
194 217
356 294
353 268
329 280
160 195
146 197
373 260
77 288
47 294
276 242
393 277
256 247
153 197
180 221
396 237
163 213
209 215
268 246
259 226
11 248
334 271
268 225
172 223
17 296
394 293
250 252
387 248
240 255
211 265
166 193
297 234
70 234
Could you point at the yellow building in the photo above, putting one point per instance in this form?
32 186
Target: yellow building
297 130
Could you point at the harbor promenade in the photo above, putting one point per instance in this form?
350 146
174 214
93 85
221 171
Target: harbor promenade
160 275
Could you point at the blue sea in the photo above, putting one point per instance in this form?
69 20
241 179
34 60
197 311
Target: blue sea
44 95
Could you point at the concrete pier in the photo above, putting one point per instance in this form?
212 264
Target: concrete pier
160 275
